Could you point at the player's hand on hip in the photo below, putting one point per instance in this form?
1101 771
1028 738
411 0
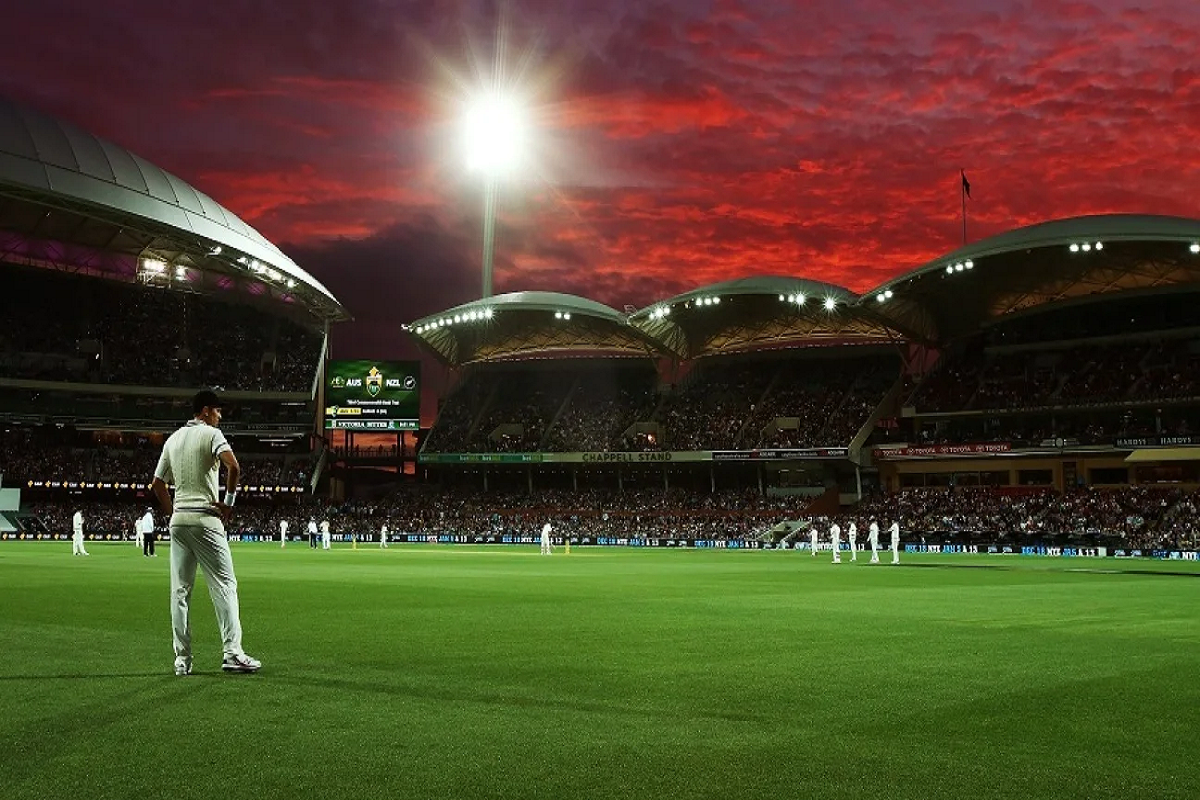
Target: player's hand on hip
224 511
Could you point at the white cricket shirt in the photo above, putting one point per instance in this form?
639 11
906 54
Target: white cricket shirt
191 460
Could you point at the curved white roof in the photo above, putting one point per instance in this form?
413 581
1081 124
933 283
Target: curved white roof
48 155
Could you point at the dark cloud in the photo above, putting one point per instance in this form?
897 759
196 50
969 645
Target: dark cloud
681 143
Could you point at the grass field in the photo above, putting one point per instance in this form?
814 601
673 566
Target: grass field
463 672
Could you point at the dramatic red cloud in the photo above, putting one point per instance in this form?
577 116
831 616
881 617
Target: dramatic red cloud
679 143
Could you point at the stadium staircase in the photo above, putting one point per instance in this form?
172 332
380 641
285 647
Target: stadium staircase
483 411
566 401
318 468
740 440
890 400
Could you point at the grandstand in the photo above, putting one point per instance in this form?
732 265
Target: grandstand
124 290
1060 358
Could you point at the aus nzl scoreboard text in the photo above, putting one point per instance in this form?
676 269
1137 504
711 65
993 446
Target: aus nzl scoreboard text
373 396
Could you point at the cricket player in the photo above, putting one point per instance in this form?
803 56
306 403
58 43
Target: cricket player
77 548
546 548
852 535
894 530
383 542
138 541
312 534
873 537
835 535
191 459
283 526
812 538
146 533
325 534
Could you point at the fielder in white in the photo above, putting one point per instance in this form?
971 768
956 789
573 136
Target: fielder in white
191 459
852 535
77 548
383 542
325 534
835 536
894 530
137 533
873 537
546 548
812 538
283 526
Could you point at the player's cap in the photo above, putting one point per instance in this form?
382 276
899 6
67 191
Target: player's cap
205 398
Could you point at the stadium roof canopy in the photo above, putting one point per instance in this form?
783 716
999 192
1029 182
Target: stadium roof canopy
758 312
1039 267
526 323
72 200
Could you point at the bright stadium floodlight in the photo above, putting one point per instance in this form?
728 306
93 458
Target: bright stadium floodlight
1099 245
494 135
1195 248
1074 248
830 303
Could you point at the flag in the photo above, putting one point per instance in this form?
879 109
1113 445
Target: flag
966 184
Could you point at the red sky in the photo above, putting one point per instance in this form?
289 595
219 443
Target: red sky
679 143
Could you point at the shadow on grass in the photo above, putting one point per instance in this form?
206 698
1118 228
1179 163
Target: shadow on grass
950 566
428 692
1155 572
154 675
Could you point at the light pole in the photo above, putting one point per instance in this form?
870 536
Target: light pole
493 133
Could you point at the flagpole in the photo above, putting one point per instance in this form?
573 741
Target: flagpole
962 191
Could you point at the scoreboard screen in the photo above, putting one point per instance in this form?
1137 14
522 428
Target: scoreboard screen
373 395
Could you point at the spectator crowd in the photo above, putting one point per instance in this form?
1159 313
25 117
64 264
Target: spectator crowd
64 328
1131 517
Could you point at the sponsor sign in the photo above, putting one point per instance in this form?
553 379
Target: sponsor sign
976 449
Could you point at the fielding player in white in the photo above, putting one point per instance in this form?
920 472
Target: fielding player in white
325 534
77 548
835 536
137 533
873 536
546 548
812 538
283 526
894 530
190 459
383 542
852 535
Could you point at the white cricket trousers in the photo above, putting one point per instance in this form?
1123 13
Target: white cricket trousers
200 539
77 548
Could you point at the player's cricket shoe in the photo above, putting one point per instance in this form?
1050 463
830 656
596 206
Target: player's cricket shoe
241 663
183 666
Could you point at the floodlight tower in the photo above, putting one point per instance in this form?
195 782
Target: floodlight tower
494 133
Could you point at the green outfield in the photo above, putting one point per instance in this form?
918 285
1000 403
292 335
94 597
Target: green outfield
493 672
